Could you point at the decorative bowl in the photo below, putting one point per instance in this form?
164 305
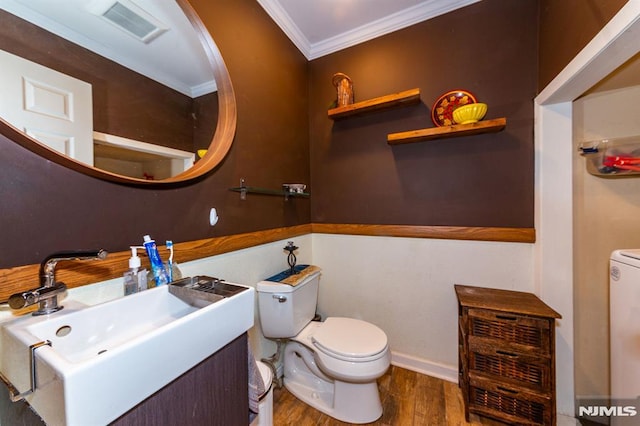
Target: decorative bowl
442 110
471 113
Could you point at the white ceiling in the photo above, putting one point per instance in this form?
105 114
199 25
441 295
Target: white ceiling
316 27
320 27
162 59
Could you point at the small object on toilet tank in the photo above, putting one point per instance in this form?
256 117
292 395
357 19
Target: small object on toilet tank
291 258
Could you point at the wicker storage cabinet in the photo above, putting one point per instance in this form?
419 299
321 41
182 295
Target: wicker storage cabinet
506 355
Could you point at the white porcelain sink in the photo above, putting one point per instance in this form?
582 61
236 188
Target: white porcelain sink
105 359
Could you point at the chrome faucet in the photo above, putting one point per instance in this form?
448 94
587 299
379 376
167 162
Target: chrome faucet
47 293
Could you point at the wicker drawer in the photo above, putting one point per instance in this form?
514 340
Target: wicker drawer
522 370
506 342
502 402
523 332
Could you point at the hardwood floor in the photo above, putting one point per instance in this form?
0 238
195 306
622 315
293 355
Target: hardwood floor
408 399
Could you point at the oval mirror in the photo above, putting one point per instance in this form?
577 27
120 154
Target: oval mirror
131 91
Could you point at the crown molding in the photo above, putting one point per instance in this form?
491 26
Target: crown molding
286 24
421 12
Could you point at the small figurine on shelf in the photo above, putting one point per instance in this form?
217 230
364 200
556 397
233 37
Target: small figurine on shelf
344 87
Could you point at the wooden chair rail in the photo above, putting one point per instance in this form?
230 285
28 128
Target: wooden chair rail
513 235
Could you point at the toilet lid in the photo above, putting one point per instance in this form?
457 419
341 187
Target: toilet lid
350 338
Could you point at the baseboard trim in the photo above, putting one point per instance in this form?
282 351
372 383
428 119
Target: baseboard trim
424 366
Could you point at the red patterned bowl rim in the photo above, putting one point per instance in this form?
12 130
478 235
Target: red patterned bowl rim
442 115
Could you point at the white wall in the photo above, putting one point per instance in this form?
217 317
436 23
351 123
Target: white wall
554 232
606 217
405 286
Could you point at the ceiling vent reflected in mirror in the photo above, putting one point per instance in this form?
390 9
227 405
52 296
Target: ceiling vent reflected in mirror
130 18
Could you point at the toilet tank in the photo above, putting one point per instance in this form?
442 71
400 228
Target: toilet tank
285 310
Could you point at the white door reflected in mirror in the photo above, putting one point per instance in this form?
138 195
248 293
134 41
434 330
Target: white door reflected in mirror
49 106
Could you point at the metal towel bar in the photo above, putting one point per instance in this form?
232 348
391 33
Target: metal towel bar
14 394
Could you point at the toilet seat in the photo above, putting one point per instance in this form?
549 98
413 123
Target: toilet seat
350 340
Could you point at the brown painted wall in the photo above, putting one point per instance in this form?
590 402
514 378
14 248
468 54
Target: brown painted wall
488 48
205 111
566 27
45 207
283 131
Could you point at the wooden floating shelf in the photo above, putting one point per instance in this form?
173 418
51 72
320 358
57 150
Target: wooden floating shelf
408 97
457 130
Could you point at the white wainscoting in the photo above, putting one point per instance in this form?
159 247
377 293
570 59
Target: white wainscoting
403 285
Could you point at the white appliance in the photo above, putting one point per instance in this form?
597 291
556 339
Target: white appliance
624 316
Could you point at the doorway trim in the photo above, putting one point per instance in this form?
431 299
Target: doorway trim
616 43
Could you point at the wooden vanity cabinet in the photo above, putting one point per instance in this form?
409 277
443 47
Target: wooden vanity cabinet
506 355
214 392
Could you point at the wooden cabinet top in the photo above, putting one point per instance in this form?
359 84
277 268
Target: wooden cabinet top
504 300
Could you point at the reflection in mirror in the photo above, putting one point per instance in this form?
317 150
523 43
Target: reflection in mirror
132 87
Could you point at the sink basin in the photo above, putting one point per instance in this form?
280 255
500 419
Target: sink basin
105 359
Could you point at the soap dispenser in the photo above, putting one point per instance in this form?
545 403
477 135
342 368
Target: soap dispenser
135 279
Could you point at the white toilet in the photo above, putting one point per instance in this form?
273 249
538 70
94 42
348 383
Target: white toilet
331 365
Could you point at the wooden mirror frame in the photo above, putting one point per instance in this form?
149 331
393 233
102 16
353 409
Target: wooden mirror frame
220 143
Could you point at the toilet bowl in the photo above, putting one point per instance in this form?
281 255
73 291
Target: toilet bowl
333 365
340 383
265 406
348 349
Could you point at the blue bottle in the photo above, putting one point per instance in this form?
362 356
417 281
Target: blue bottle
157 267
